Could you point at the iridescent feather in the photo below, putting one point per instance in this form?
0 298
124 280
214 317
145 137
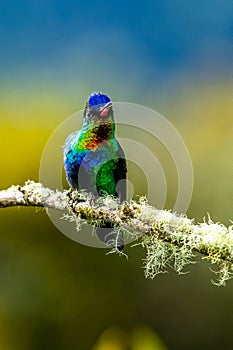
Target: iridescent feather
93 158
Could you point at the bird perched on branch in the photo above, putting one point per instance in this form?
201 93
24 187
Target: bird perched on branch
95 161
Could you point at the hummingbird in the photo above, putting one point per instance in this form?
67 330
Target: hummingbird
94 160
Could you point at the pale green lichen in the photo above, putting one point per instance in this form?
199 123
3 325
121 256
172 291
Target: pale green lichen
170 240
174 239
223 274
35 191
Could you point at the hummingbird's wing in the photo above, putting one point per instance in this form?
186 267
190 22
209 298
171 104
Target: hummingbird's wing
115 170
72 159
120 178
70 140
120 174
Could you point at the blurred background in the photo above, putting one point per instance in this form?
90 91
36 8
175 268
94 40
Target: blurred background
172 56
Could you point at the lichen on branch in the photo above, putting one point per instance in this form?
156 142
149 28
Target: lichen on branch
170 240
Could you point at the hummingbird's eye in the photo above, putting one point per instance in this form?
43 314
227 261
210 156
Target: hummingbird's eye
88 114
98 106
91 113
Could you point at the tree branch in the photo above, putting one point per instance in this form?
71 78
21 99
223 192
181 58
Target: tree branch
34 195
169 239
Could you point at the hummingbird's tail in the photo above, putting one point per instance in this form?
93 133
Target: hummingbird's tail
109 236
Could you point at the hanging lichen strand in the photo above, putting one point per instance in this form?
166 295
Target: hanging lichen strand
170 240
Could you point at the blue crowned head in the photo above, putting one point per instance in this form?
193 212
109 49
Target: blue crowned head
98 100
98 111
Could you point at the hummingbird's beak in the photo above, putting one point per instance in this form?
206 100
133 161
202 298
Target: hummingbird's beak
105 109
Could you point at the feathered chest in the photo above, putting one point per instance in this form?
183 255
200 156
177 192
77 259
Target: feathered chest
100 154
93 138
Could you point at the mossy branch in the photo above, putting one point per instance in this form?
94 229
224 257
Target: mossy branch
170 240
